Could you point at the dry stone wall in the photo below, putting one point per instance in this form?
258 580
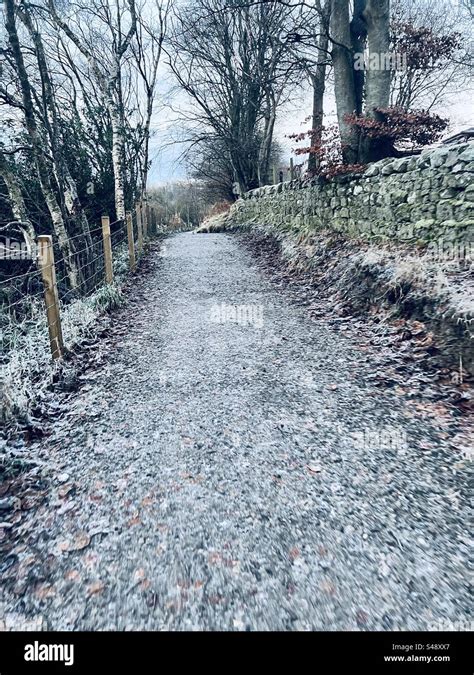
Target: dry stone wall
423 198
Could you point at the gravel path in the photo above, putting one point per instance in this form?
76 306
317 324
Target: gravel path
242 474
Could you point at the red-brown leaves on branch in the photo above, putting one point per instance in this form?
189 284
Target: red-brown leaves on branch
407 129
421 47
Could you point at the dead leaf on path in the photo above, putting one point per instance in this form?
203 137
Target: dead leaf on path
134 521
31 499
72 575
139 575
80 542
332 387
67 490
327 587
361 617
314 468
294 553
95 588
45 591
147 501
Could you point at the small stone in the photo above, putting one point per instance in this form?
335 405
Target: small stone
467 155
387 622
372 171
10 504
361 618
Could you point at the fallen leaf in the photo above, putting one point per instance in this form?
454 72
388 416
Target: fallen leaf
139 574
96 587
67 489
72 575
45 591
81 541
314 468
294 553
361 617
134 521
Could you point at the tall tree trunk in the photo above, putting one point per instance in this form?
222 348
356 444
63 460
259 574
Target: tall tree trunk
110 84
358 28
65 180
377 18
318 81
17 202
267 140
117 156
36 144
344 85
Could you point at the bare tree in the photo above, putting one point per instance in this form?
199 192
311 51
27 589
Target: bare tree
146 49
38 147
64 179
232 61
107 69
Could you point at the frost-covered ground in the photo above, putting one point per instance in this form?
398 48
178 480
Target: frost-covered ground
231 465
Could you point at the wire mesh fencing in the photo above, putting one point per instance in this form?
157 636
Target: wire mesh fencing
62 272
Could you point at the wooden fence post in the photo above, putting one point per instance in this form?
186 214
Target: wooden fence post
139 230
292 169
274 175
131 243
51 299
109 270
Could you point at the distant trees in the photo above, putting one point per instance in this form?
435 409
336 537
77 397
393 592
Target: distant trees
180 202
232 60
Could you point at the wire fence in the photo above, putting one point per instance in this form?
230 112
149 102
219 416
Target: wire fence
60 274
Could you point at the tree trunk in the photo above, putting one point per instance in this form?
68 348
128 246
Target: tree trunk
266 144
318 80
61 170
36 144
358 30
117 157
111 88
17 202
377 17
344 85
